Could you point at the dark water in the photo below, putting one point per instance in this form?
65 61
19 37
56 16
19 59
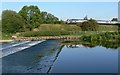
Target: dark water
53 57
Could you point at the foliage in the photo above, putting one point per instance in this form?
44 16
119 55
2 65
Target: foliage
11 22
6 36
90 25
85 18
97 40
31 16
108 40
102 37
49 18
114 19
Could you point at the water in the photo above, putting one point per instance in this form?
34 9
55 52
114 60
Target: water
12 47
52 56
86 60
36 59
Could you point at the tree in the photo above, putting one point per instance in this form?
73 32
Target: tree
90 25
44 17
12 22
49 18
85 18
114 19
31 15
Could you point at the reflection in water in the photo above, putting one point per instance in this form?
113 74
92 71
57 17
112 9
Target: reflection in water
87 57
91 44
74 46
53 57
82 59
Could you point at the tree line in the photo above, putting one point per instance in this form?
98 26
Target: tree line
28 18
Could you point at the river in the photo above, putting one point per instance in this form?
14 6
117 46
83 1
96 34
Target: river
52 56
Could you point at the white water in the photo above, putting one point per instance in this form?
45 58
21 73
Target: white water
15 47
12 45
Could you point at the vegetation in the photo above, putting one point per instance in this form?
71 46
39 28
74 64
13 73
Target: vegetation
28 18
90 25
108 36
6 36
11 22
114 19
48 18
91 44
31 16
85 18
52 30
44 33
108 40
31 22
108 28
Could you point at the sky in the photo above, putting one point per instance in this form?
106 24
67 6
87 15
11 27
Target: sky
66 10
60 0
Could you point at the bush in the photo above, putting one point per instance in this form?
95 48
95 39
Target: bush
90 25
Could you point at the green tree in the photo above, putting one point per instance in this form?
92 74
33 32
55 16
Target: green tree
86 18
31 15
44 17
51 18
12 22
90 25
114 19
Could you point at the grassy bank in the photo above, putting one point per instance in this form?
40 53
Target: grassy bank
62 30
6 36
108 40
68 29
108 28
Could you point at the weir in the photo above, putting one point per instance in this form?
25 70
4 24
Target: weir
48 38
18 47
36 59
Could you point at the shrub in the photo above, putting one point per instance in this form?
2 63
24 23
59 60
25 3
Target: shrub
90 25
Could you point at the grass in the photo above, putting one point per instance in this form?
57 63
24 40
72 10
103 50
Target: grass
63 29
51 27
67 29
6 36
108 28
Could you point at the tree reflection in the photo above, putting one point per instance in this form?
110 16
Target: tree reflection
92 44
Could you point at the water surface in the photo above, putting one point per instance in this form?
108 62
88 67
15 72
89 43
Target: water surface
52 56
86 60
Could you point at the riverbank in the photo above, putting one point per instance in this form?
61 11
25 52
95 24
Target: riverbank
6 41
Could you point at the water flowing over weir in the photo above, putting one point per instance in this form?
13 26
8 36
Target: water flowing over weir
36 59
14 47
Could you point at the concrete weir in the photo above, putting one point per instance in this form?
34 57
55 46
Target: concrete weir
18 47
48 38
